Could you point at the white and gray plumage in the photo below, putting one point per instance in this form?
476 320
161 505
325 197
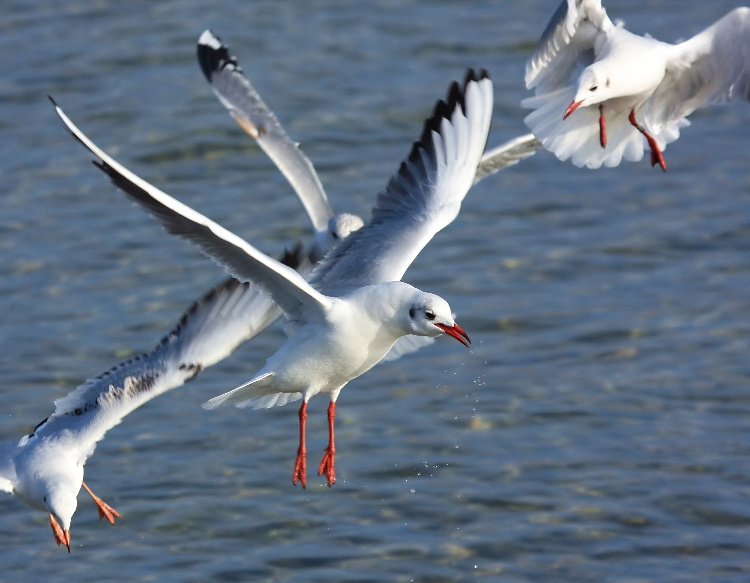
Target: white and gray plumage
45 468
236 93
635 91
247 108
357 307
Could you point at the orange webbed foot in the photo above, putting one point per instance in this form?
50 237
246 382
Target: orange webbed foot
105 510
300 469
328 466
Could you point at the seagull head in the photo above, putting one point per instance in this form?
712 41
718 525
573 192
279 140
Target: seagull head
593 87
342 225
430 315
339 228
61 501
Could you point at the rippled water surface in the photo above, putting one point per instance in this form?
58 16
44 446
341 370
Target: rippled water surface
598 430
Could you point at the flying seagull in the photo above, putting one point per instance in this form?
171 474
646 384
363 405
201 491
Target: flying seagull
45 468
634 91
356 307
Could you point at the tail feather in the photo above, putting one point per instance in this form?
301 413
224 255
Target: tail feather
577 137
268 401
258 386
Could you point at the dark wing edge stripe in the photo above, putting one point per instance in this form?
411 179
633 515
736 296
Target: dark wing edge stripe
212 59
443 109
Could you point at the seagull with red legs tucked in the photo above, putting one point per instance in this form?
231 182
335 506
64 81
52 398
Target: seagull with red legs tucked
355 307
45 468
628 78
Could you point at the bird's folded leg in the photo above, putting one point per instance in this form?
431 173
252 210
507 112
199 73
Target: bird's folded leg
328 463
602 127
300 465
105 510
656 156
62 537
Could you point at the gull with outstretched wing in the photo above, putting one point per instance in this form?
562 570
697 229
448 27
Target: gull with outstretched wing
356 307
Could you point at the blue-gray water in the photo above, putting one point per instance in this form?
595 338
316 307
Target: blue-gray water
598 430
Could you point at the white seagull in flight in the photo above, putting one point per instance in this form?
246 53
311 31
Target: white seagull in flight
45 468
247 108
356 307
628 78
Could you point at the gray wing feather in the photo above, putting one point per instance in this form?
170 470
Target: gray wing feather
712 67
422 198
249 110
568 39
210 330
284 285
507 154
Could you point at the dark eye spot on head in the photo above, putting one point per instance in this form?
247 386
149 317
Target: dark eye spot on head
607 83
429 314
594 88
411 312
335 235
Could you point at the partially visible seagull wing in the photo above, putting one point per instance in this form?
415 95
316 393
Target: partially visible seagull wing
248 109
287 288
570 35
206 333
8 452
422 198
507 154
712 67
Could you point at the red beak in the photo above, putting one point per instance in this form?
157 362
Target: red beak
572 107
456 332
62 537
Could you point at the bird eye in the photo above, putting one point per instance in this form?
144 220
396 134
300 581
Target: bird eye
429 314
412 312
594 88
335 235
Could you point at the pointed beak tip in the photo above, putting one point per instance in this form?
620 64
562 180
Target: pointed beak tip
572 107
465 340
456 332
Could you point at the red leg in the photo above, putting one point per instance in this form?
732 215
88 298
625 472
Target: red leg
300 466
62 537
328 463
602 127
656 156
105 510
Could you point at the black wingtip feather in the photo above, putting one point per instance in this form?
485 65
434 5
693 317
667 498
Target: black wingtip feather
443 110
295 256
213 60
445 107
